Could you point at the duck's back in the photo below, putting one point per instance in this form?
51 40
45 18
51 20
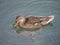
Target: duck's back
32 20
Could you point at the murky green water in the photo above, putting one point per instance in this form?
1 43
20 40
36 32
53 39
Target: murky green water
9 9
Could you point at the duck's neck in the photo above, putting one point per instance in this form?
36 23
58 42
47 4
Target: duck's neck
22 23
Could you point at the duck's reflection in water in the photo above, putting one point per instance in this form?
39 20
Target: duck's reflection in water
29 35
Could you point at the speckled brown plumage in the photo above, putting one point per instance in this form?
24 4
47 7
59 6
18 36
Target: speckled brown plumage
33 21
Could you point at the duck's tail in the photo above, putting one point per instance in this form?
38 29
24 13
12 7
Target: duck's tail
48 20
51 19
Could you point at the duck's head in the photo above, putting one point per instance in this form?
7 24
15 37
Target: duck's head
20 19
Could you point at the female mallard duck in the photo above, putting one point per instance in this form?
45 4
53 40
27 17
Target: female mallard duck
33 21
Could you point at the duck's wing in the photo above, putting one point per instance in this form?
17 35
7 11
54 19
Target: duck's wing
32 19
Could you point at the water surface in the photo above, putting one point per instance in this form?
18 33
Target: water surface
9 9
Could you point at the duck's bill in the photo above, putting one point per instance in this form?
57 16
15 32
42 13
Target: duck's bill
50 19
15 24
